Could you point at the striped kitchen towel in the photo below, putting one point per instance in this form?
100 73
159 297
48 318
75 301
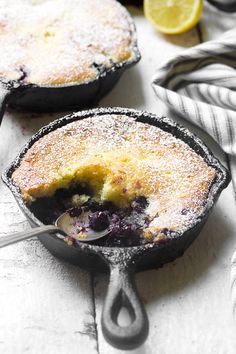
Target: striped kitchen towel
200 85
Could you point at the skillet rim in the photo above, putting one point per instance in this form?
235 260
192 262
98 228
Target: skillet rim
179 131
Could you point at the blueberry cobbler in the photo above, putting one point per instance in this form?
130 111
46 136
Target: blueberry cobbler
140 182
50 42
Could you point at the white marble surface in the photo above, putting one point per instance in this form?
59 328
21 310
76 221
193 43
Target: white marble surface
48 306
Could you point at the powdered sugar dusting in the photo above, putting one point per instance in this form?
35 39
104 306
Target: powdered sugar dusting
63 41
121 159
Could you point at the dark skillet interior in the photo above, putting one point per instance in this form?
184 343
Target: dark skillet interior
153 255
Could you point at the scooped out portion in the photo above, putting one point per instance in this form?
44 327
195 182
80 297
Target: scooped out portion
144 179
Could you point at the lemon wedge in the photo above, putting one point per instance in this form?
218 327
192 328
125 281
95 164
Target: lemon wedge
173 16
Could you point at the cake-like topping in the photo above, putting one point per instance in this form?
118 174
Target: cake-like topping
134 165
64 41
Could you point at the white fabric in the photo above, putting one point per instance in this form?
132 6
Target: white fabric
200 84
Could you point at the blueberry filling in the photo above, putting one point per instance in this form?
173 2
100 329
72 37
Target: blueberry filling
92 205
126 225
75 211
141 201
99 221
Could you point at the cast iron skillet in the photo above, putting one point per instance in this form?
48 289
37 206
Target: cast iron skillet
48 98
123 262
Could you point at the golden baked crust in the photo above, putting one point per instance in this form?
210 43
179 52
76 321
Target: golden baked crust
120 159
65 41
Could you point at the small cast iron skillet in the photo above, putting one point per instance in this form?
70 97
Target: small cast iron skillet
48 98
123 262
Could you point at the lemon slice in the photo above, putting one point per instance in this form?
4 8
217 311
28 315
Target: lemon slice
173 16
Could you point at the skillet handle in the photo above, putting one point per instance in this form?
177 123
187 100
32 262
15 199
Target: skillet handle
122 292
5 93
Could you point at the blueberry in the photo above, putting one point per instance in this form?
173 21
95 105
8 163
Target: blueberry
115 218
139 203
142 201
99 221
75 212
109 206
116 228
124 230
93 205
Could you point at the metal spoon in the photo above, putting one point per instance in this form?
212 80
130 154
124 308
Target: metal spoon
63 225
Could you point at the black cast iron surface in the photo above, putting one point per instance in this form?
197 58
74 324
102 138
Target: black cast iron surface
48 98
123 262
224 5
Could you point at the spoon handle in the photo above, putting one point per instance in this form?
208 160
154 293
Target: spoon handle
24 235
